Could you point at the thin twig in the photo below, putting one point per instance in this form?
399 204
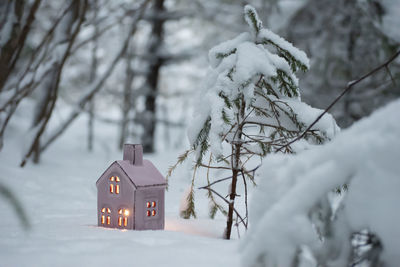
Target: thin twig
227 178
213 167
215 192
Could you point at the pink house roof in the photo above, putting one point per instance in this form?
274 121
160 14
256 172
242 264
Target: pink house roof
142 175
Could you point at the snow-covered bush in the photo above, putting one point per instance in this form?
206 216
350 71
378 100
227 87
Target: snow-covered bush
298 218
250 102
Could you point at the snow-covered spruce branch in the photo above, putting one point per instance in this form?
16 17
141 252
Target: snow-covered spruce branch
98 83
348 88
250 90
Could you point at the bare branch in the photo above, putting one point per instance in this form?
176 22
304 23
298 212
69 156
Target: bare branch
349 86
98 83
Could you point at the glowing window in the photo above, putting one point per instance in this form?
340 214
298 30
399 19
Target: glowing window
123 215
148 213
114 185
105 219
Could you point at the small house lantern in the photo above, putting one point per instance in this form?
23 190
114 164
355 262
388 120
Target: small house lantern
130 193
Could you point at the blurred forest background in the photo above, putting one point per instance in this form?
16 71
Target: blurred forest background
137 65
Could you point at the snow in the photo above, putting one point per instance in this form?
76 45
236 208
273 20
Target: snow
365 157
226 48
59 197
391 19
252 60
269 36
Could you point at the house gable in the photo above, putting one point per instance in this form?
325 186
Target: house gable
114 169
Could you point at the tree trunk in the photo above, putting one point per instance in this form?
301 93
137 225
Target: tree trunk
11 12
92 78
127 101
235 166
11 50
232 196
152 79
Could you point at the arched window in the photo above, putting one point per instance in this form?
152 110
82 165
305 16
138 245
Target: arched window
106 216
114 185
123 215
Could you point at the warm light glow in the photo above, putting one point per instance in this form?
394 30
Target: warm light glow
125 222
112 179
153 204
120 211
148 213
103 219
120 221
103 210
108 210
153 213
111 188
148 204
117 178
126 212
117 189
108 220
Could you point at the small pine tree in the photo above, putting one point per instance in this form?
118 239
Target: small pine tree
251 101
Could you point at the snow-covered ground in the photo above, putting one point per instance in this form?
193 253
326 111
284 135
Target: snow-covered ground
59 197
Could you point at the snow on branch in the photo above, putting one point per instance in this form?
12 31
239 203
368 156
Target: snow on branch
292 211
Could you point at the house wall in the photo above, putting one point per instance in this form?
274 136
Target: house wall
143 195
125 199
